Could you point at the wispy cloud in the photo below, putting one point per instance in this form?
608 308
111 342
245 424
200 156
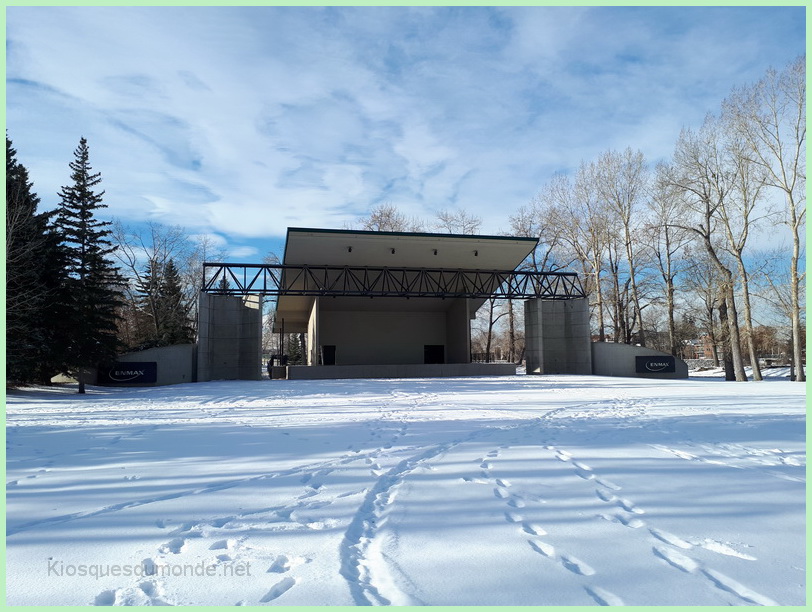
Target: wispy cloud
244 121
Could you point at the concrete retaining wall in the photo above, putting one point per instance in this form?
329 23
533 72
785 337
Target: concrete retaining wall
557 336
176 364
614 359
400 371
229 338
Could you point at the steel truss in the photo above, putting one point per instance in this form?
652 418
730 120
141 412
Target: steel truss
308 280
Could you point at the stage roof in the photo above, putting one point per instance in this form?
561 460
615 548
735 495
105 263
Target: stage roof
405 250
356 248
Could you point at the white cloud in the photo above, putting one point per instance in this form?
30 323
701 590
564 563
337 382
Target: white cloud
243 121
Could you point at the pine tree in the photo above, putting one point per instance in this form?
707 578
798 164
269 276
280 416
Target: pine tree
92 291
149 297
173 325
33 274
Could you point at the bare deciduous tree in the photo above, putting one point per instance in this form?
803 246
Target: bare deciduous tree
702 172
665 241
771 118
458 222
622 181
144 253
738 214
387 218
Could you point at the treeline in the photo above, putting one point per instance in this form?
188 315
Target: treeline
649 241
80 290
665 252
63 291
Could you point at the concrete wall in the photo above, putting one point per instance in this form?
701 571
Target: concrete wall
458 332
381 337
557 336
614 359
176 364
400 371
229 338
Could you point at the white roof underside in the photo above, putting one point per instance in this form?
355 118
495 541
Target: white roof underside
411 250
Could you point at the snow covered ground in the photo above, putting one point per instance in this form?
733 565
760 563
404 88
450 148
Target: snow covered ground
551 490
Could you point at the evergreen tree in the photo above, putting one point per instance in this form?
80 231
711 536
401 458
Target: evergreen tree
161 319
34 271
149 297
173 325
93 286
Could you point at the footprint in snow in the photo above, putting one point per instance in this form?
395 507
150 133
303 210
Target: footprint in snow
626 521
576 566
533 529
676 559
513 517
502 482
670 538
176 546
283 564
501 493
628 506
583 470
608 484
228 544
516 502
605 495
279 589
548 550
151 566
603 597
731 586
147 593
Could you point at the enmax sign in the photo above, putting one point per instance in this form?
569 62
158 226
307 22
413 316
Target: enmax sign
132 372
655 364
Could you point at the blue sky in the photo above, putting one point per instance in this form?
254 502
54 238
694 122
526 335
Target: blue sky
240 122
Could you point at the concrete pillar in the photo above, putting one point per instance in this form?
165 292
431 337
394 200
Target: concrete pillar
229 337
557 336
458 332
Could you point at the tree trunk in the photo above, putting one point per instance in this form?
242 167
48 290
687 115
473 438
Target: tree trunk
672 326
727 359
599 295
635 294
728 296
490 332
512 337
797 346
748 320
735 336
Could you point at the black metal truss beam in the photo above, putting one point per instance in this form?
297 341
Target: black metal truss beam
307 280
